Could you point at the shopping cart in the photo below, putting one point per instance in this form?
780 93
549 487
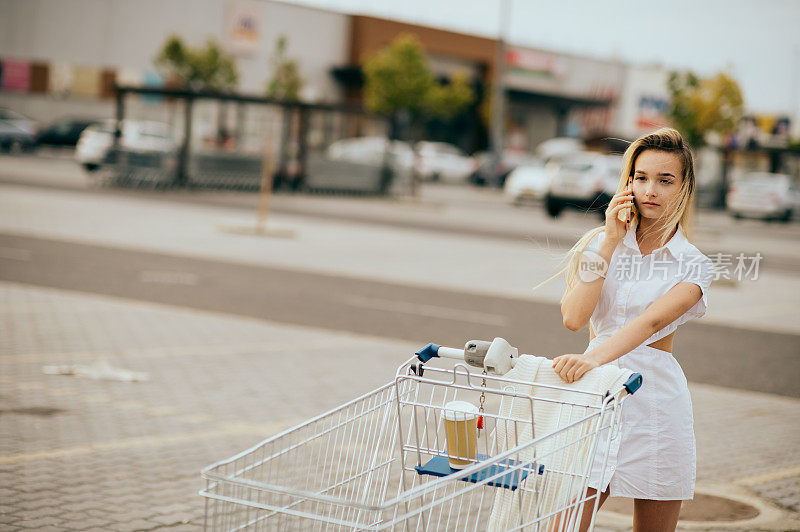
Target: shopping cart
381 461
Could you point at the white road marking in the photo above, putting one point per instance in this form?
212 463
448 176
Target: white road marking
15 254
223 430
432 311
769 476
228 349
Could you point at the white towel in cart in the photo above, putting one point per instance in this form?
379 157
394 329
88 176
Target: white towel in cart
559 454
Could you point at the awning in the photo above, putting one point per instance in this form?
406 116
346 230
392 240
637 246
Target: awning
353 76
559 100
348 75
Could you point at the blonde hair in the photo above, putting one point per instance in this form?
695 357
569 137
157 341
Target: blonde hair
666 140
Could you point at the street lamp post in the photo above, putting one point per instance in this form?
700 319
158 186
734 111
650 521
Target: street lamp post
498 88
795 92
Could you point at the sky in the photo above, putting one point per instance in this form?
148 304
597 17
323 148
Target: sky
757 41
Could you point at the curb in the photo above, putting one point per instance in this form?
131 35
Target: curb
770 517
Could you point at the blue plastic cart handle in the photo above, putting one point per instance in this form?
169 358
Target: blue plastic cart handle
634 383
432 351
428 352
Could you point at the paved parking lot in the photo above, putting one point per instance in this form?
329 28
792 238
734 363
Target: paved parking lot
78 453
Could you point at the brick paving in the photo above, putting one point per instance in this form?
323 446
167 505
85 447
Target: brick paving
84 454
784 492
77 453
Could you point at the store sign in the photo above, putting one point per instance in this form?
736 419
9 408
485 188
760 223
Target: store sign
534 63
651 113
244 26
763 130
86 81
774 125
15 75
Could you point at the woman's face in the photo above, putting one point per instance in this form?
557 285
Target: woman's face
657 179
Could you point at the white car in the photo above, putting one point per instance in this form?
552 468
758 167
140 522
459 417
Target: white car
585 181
17 131
486 173
440 161
528 182
371 150
96 140
18 120
764 195
559 147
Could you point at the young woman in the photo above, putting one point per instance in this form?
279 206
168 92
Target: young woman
635 281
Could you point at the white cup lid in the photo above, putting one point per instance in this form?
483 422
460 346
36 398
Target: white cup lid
460 411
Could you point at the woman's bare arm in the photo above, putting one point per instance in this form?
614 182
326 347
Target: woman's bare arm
661 313
658 315
580 302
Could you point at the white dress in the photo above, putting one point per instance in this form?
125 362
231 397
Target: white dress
653 456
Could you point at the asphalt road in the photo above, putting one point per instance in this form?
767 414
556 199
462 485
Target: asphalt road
725 356
470 212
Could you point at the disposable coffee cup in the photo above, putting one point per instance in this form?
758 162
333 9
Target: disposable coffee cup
461 431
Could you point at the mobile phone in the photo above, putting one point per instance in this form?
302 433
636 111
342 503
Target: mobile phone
626 215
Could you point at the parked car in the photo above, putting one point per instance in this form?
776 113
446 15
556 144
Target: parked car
764 195
528 182
358 164
15 140
97 139
64 132
16 131
371 150
559 147
584 181
440 161
18 119
485 174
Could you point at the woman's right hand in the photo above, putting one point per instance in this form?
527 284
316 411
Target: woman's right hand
616 229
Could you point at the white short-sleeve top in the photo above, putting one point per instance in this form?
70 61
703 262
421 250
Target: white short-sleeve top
634 281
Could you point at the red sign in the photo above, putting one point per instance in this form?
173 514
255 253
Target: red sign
534 62
16 75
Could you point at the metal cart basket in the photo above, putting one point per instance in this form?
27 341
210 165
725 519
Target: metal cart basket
381 461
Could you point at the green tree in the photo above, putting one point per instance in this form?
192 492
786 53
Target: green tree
699 106
447 101
398 79
400 83
286 82
205 67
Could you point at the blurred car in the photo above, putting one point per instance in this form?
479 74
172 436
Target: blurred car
97 140
371 150
559 147
528 182
15 140
440 161
64 132
485 174
16 131
18 119
359 165
765 196
584 181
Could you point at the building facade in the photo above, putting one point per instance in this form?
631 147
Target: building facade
63 58
79 49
